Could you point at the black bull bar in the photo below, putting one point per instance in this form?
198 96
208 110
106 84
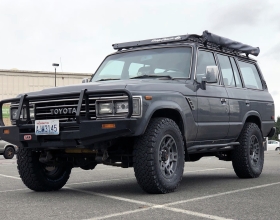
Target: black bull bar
88 131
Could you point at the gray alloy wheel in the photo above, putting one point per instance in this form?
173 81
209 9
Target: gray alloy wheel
159 156
248 157
168 154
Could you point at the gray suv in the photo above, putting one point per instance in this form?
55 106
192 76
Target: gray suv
152 105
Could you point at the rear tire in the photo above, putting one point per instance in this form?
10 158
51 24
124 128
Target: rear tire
248 157
38 176
9 152
159 157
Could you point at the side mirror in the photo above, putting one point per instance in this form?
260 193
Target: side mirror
85 80
211 76
212 73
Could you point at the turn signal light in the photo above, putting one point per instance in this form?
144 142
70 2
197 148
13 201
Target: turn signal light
6 131
148 97
108 126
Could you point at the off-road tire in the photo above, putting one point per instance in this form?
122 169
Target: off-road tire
248 157
35 175
146 157
9 152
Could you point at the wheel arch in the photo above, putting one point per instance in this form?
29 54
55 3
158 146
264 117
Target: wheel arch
168 109
9 145
173 114
254 117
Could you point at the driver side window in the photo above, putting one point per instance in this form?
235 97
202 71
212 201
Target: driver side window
204 59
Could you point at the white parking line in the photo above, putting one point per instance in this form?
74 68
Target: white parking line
150 205
12 190
194 171
13 177
222 194
121 213
100 181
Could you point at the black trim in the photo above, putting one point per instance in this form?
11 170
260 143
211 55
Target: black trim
211 147
86 134
83 95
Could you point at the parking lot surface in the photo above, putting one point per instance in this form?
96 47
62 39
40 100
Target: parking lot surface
209 190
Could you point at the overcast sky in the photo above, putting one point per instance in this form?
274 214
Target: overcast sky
79 34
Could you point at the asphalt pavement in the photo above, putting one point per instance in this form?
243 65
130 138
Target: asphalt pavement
209 190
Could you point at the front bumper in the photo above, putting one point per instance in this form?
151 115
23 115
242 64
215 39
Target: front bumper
84 134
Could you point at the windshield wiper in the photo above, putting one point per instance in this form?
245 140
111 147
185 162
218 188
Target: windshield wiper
158 76
152 76
105 79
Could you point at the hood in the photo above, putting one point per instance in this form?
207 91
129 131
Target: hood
131 85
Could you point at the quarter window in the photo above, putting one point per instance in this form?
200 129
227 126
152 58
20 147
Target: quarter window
227 73
236 73
204 59
250 75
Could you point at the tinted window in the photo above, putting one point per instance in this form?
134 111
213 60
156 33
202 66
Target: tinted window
250 75
236 73
227 73
204 59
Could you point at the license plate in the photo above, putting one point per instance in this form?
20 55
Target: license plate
47 127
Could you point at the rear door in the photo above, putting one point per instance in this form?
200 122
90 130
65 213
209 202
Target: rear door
237 95
213 111
258 99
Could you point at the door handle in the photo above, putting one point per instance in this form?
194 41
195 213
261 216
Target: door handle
223 100
247 103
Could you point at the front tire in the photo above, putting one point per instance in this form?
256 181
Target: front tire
9 152
277 149
38 176
248 157
159 157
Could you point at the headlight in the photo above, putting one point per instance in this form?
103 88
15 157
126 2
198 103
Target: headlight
14 113
117 107
122 107
23 114
105 108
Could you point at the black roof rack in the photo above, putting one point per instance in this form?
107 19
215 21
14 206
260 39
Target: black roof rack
207 38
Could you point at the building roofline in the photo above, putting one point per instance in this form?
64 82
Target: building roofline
43 72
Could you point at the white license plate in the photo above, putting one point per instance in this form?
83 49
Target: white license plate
47 127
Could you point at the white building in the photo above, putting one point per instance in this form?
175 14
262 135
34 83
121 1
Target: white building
14 82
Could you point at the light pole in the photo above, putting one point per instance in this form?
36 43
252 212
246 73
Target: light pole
55 65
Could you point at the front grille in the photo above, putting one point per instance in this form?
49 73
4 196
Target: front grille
64 109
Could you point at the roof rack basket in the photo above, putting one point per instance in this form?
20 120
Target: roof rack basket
207 39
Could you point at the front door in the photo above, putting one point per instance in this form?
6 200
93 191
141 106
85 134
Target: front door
213 108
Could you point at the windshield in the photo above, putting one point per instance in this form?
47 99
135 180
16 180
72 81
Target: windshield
172 62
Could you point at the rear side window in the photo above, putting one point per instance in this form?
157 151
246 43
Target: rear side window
250 75
204 59
227 72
